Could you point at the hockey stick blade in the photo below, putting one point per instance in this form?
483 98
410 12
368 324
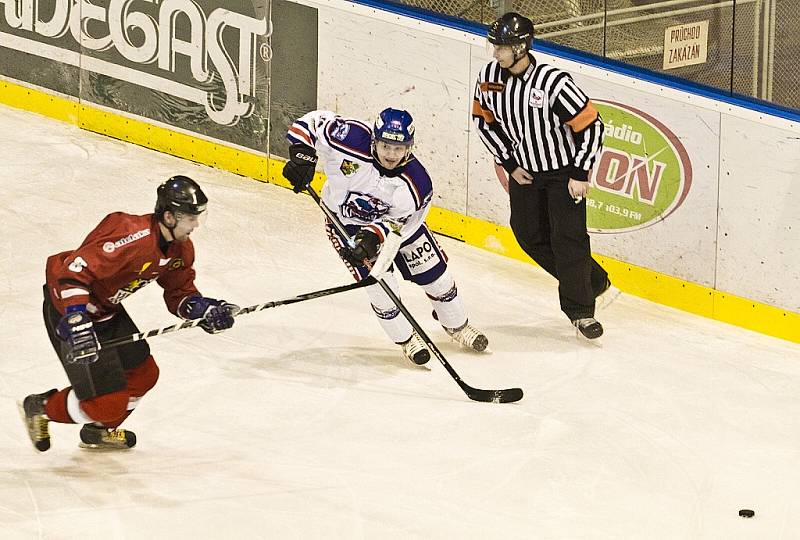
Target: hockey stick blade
509 395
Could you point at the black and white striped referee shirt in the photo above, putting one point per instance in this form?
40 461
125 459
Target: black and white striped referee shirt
538 120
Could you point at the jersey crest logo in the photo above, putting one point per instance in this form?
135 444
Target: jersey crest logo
348 167
129 289
363 207
537 98
340 130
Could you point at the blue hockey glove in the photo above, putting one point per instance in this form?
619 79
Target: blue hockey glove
299 170
76 328
217 315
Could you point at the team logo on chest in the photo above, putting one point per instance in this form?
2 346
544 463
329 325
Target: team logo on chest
363 207
348 167
536 98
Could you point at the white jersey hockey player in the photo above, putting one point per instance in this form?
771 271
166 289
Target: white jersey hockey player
377 187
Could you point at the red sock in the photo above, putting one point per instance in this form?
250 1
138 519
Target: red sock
56 407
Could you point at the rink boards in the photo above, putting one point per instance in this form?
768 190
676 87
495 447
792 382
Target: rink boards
694 198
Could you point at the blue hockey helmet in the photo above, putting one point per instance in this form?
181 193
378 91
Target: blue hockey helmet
394 126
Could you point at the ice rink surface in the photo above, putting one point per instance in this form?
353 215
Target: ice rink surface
303 421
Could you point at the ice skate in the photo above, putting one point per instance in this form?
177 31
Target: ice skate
36 420
415 350
589 327
96 437
469 337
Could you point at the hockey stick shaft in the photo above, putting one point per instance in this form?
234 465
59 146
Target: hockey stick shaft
507 395
243 311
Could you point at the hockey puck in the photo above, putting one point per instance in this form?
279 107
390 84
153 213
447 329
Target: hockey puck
745 513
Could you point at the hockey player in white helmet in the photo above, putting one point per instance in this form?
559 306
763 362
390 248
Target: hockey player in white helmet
376 185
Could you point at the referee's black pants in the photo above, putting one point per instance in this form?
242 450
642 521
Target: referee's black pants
551 229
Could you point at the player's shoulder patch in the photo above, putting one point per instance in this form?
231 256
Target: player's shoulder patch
350 137
339 130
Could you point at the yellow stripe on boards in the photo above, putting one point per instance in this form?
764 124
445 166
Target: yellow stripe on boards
635 280
178 144
52 106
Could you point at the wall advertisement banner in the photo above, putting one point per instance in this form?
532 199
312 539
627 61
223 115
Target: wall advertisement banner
193 64
643 175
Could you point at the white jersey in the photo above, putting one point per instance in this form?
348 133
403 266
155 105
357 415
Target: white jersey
356 189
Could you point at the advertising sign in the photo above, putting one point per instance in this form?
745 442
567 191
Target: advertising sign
643 174
192 64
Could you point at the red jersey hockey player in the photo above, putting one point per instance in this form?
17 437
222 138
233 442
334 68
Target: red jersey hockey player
82 308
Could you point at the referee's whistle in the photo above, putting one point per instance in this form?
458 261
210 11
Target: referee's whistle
578 199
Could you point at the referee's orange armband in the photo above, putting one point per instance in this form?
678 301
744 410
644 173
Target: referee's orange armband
486 114
583 119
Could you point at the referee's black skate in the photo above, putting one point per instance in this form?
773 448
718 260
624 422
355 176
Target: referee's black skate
589 327
96 437
36 420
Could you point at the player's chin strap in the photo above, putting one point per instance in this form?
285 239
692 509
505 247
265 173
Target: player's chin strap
243 311
508 395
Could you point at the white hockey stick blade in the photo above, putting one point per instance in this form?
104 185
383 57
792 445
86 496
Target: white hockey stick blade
386 257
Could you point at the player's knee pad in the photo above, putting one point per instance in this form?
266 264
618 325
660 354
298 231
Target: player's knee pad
106 408
142 378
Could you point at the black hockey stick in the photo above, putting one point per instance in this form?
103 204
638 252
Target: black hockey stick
509 395
243 311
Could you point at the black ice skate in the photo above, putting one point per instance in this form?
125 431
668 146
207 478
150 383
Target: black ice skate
415 350
36 421
588 327
469 337
96 437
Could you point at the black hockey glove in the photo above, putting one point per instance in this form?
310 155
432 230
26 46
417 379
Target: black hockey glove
217 315
77 330
299 170
367 245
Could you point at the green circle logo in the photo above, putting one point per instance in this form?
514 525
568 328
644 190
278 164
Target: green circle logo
642 176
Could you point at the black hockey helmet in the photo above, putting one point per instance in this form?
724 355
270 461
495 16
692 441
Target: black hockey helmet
511 29
180 194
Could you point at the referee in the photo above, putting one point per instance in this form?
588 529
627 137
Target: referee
544 131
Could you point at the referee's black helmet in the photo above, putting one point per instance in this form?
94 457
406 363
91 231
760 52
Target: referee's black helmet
511 29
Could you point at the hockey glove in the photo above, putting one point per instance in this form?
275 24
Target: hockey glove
366 247
77 330
216 315
299 170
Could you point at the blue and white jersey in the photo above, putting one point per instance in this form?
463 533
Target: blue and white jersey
356 190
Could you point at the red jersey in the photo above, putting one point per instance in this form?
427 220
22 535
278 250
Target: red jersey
119 257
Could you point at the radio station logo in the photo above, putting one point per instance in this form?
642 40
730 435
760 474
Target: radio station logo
642 176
